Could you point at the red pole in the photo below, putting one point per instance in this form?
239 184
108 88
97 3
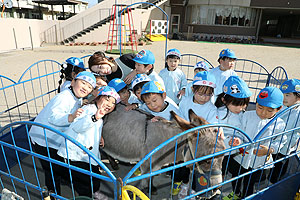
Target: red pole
109 31
134 31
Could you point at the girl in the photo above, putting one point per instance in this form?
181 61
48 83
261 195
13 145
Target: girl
230 104
174 79
122 67
69 70
87 129
59 113
291 93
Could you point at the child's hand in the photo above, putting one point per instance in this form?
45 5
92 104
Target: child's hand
100 113
85 102
182 92
131 107
73 116
130 76
235 142
156 119
263 150
101 142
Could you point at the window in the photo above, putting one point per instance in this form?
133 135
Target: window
221 15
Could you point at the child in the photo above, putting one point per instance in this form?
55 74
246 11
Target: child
269 102
144 64
86 129
137 83
291 93
227 60
199 67
154 95
125 94
59 113
231 104
174 79
200 103
69 70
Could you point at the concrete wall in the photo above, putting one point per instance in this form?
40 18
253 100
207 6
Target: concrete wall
15 33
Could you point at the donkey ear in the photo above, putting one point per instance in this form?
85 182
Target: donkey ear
184 125
196 120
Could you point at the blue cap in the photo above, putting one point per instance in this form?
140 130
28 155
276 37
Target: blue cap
174 52
117 83
202 65
78 62
227 53
144 57
291 85
109 91
236 87
270 97
205 78
152 87
88 77
140 78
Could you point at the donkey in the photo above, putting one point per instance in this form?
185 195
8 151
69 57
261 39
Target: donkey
130 136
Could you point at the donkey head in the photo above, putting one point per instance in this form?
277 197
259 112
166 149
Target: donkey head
209 141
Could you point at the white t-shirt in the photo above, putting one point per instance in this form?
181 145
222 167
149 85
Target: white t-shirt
221 77
165 113
251 125
87 133
55 114
174 82
208 110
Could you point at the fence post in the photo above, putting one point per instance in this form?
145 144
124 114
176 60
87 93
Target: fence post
31 38
15 38
56 38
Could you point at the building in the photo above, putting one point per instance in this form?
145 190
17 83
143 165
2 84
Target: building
45 9
236 19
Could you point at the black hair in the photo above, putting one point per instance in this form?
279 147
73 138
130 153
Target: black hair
145 96
224 58
67 73
228 99
125 88
205 89
297 94
139 86
173 56
151 70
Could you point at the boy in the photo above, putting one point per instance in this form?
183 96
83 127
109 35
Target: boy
144 64
153 95
291 93
200 102
227 60
126 95
199 67
174 79
269 102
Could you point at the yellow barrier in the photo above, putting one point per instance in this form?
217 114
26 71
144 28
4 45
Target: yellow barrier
135 191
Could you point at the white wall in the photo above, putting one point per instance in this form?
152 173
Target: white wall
22 34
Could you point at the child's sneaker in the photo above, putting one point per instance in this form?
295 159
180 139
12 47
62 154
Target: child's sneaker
176 188
184 192
232 196
137 172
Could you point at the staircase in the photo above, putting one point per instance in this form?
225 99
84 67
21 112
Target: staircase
94 23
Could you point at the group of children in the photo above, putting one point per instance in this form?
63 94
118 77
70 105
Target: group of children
218 95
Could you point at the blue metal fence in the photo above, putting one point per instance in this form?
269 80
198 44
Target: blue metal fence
23 176
24 100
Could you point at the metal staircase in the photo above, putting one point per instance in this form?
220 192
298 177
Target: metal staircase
106 20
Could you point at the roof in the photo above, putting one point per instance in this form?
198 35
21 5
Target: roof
59 2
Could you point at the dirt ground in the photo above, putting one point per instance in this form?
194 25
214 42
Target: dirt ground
15 62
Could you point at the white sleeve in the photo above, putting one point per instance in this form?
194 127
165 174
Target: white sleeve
183 81
60 111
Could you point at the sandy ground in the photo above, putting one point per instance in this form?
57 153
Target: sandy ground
14 63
